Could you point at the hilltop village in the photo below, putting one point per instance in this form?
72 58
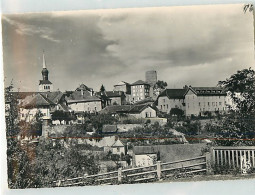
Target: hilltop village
129 121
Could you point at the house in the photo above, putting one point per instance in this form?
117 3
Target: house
118 147
194 100
124 87
116 109
137 111
78 101
31 105
171 98
143 111
115 97
140 90
201 100
144 156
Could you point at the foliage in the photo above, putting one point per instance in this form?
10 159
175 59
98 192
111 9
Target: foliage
12 111
177 112
238 126
102 88
61 115
38 166
160 85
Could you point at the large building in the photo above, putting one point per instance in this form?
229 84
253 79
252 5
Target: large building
151 77
139 91
194 100
44 84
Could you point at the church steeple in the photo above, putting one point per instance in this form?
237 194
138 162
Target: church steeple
45 72
45 84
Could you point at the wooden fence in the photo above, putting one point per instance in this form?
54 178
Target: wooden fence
154 172
233 157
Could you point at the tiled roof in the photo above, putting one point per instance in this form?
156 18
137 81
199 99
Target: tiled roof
114 109
174 93
148 100
209 91
140 82
83 87
138 108
118 143
44 82
109 129
36 101
76 96
122 83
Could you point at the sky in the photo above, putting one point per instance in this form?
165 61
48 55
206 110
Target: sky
193 45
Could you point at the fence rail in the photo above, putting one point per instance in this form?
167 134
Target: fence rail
138 174
234 157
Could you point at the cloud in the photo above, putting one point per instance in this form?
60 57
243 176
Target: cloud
28 29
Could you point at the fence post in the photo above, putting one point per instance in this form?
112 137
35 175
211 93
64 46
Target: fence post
159 169
119 175
208 161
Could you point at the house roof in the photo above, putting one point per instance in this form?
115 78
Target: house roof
122 83
174 93
209 91
76 96
83 87
148 100
109 129
110 94
118 143
114 109
140 82
139 108
35 101
41 82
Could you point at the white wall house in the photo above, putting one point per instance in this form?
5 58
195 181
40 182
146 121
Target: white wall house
143 111
142 160
171 98
194 100
139 91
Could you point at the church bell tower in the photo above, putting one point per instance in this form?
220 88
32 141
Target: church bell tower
45 85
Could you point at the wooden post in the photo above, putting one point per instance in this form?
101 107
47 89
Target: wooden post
159 169
119 175
208 161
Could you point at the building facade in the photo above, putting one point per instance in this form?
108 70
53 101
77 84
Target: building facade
139 91
194 100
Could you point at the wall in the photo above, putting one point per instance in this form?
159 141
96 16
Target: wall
146 113
94 106
139 92
191 101
29 114
145 160
165 104
127 127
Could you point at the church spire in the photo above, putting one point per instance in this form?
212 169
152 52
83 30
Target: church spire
44 62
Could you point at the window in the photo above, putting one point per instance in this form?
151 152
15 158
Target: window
118 149
220 103
161 107
95 108
208 103
167 106
164 100
199 103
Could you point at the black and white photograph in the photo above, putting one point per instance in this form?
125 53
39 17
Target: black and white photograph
129 95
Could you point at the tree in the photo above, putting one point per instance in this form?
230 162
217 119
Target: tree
176 111
240 122
160 85
61 115
102 88
11 111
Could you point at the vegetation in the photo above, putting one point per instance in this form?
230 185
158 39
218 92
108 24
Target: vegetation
238 127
